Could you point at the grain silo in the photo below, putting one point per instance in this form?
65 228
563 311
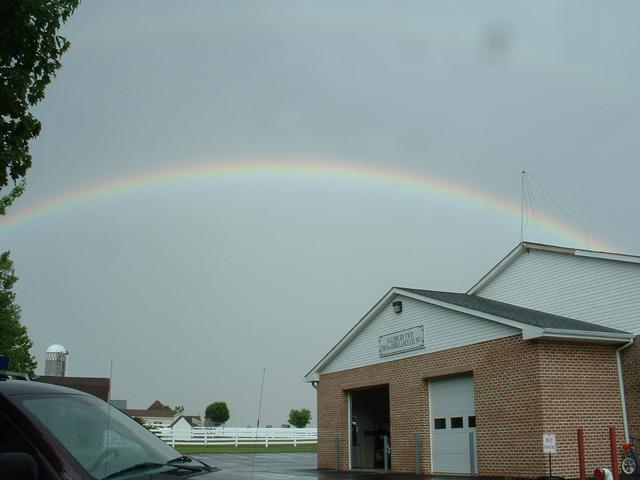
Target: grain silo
56 361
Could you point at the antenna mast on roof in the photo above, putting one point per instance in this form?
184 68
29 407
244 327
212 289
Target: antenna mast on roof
528 200
522 204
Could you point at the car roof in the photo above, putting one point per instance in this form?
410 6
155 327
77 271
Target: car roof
21 387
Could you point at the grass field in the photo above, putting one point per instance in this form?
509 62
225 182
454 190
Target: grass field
246 449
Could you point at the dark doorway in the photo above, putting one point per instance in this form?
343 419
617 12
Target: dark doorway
369 425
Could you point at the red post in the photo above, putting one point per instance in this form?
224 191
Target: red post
583 471
614 454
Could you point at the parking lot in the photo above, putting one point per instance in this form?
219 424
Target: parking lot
276 466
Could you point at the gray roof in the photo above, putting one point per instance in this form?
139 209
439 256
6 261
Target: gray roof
508 311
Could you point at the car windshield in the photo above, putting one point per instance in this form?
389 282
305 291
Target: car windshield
102 438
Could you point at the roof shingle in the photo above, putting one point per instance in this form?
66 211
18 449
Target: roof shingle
508 311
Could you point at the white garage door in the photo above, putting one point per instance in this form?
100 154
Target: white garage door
453 422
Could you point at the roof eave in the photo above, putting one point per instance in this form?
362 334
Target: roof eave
547 247
583 336
532 331
617 257
312 376
473 312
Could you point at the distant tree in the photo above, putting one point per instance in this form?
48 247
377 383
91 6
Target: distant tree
217 412
14 340
30 53
300 418
177 410
140 420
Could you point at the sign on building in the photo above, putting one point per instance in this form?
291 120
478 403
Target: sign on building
549 443
402 341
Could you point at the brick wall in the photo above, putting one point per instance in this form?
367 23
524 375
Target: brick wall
585 395
631 369
512 380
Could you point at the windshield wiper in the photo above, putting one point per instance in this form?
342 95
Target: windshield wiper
144 465
187 458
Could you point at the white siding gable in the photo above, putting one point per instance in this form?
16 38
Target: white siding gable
600 291
443 329
182 424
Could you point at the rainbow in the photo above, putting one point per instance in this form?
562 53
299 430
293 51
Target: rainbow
329 170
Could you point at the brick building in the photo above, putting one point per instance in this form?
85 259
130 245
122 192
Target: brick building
546 342
99 387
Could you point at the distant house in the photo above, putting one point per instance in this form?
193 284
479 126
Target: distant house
157 414
186 422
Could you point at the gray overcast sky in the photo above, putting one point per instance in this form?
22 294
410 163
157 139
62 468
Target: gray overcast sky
193 286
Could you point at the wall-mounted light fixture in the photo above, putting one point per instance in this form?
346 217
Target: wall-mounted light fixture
397 306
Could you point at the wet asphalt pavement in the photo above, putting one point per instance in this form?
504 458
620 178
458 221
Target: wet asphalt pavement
281 466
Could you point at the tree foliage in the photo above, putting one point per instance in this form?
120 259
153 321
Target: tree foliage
14 340
30 53
300 418
217 412
140 420
177 410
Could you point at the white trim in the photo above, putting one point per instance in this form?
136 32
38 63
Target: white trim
618 257
510 257
583 338
531 333
582 335
547 247
625 421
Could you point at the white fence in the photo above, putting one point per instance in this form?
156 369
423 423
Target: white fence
237 436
